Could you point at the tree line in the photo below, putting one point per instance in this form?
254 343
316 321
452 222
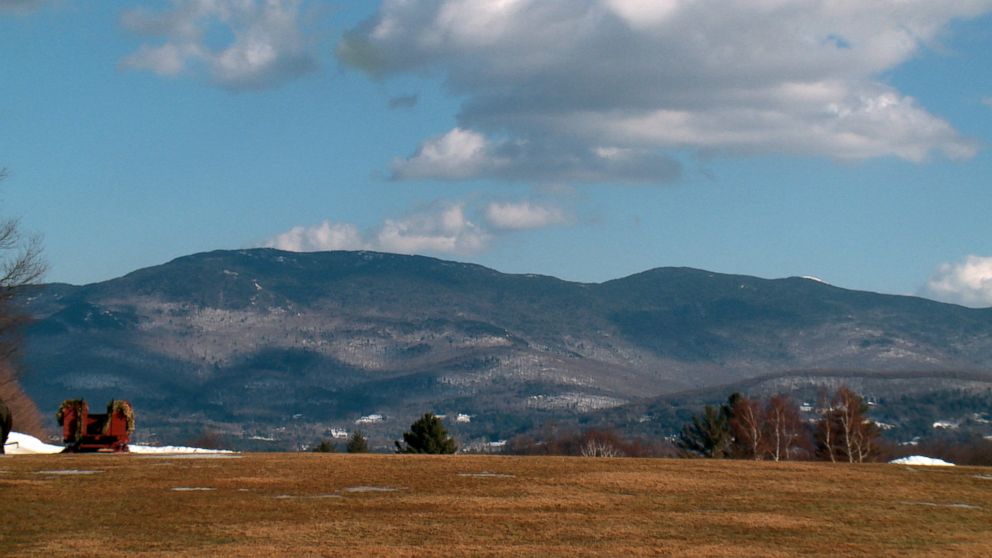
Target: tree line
774 429
426 435
743 427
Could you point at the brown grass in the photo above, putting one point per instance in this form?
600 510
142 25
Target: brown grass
300 504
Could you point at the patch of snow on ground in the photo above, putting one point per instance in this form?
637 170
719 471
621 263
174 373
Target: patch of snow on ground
921 460
370 489
313 497
192 489
22 444
204 455
67 472
486 475
957 505
175 449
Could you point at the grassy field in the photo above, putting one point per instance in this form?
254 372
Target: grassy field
320 504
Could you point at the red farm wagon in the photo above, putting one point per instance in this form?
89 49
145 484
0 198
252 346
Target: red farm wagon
83 431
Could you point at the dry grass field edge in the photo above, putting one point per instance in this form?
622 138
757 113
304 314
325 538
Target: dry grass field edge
382 505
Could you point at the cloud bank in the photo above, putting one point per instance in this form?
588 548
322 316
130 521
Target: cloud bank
445 231
608 90
236 44
522 215
323 236
444 228
967 282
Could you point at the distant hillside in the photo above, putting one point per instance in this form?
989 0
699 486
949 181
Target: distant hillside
272 349
908 404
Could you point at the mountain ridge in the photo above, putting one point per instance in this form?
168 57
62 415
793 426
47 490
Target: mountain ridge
242 341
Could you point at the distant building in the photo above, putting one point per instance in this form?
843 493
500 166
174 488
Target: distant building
370 419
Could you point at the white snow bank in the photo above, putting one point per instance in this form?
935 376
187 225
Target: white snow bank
921 460
173 449
22 444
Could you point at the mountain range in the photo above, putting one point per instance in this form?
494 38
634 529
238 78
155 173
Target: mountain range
273 349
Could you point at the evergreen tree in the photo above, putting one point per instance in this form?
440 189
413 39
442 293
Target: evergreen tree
427 435
357 443
324 447
708 435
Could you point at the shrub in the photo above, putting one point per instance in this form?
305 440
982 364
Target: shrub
357 443
593 442
324 447
427 435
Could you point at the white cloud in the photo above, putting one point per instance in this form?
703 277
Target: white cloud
464 154
456 155
563 82
266 45
967 282
324 236
522 215
443 229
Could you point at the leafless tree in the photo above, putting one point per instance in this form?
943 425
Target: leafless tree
599 448
826 437
860 434
784 427
21 264
747 427
844 432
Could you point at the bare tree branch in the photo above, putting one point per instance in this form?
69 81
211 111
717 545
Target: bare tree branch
21 264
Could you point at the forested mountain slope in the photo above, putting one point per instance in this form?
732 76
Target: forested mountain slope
270 344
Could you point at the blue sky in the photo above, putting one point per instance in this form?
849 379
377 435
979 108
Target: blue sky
586 139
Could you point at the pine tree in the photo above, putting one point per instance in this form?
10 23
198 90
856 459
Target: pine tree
357 443
427 435
708 435
324 447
